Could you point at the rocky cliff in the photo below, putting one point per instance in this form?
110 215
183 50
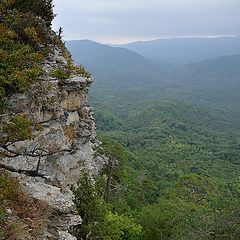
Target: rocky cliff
61 146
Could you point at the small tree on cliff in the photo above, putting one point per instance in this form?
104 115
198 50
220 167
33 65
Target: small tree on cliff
40 8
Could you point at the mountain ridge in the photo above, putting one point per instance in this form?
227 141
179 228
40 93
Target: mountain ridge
186 50
117 63
212 82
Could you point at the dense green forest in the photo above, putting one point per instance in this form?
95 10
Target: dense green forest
181 176
179 133
175 130
173 146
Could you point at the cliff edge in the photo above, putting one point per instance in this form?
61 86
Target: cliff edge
47 128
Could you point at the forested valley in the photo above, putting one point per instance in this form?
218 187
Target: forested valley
165 162
177 139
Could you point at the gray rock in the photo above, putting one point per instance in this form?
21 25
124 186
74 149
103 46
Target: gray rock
63 146
64 235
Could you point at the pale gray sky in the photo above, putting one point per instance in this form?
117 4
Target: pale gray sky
118 21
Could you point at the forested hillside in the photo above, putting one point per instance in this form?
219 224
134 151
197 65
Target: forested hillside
181 140
166 160
115 66
212 83
182 175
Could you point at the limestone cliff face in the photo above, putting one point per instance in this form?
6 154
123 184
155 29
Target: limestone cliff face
62 146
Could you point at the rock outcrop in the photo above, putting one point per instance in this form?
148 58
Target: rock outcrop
62 145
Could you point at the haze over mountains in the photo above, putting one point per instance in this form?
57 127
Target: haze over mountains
128 76
179 124
186 50
116 65
149 151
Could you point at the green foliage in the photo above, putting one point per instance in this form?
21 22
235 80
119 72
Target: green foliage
40 8
5 5
114 170
99 222
18 129
195 188
61 74
107 121
122 227
90 207
215 218
158 220
112 149
16 76
80 70
182 165
19 68
24 39
9 188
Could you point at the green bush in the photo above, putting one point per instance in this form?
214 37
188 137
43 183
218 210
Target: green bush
40 8
61 73
18 129
89 206
24 30
9 188
64 73
122 227
80 70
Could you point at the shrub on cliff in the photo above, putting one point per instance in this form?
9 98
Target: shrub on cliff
17 129
24 30
26 39
21 217
40 8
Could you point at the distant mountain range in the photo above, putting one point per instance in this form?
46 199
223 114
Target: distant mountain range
116 65
215 81
186 50
122 75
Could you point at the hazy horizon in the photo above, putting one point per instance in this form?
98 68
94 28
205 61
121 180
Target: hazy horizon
118 22
160 38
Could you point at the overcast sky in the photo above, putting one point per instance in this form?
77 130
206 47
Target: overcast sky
118 21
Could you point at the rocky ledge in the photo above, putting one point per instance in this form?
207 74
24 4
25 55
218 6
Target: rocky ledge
62 145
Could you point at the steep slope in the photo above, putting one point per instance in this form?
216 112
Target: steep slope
186 50
47 129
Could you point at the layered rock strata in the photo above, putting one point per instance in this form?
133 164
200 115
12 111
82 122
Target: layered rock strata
62 145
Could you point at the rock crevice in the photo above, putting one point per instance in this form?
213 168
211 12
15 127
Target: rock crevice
64 142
